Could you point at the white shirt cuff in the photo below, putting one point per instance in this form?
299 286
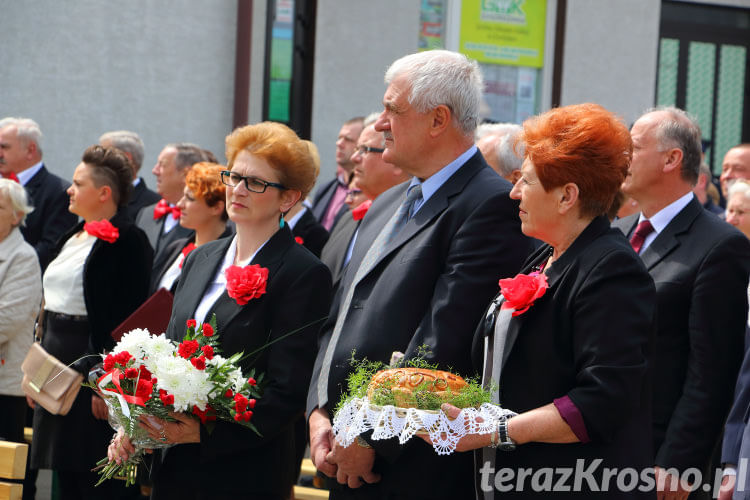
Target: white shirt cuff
729 471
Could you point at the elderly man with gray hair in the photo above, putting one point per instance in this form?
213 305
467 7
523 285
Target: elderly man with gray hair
425 262
21 160
131 144
498 144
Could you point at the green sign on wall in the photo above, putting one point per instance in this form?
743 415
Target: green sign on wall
507 32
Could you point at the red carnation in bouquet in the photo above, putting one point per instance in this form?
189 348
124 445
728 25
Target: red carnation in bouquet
150 375
187 348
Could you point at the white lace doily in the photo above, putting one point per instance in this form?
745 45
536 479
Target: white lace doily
359 416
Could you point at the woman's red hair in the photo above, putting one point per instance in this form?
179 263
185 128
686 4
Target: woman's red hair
584 144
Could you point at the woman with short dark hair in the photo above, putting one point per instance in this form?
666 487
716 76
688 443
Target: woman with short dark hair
99 275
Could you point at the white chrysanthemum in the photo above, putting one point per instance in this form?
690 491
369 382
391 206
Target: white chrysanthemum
216 361
192 389
156 348
238 380
187 384
133 342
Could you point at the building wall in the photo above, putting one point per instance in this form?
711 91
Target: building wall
610 57
162 69
257 61
355 43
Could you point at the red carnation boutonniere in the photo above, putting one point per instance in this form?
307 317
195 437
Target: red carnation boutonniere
102 229
299 240
359 212
185 251
246 283
521 292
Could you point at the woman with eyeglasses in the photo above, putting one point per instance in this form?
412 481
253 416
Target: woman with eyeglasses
270 169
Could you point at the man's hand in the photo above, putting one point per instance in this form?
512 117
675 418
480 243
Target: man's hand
354 462
669 487
321 442
30 402
99 407
727 487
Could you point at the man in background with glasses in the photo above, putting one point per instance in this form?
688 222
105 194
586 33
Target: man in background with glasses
328 204
373 176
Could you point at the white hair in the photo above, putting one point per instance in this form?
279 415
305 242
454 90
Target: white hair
26 129
741 187
128 142
510 151
486 129
18 198
442 77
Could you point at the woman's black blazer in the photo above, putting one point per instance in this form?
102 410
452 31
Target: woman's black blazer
232 460
588 338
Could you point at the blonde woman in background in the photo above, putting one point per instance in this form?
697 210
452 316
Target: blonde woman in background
20 297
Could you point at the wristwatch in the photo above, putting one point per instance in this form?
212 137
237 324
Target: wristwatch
505 443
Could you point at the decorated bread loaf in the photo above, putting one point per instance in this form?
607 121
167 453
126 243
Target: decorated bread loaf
407 384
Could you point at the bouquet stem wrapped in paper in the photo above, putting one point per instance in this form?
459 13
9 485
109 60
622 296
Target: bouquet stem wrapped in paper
149 376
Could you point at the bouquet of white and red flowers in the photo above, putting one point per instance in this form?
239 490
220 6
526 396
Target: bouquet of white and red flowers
150 375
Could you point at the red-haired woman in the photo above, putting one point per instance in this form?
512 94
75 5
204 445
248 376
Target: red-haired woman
571 359
270 169
202 209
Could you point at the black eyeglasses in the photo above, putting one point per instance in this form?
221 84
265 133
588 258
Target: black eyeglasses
251 183
367 149
353 192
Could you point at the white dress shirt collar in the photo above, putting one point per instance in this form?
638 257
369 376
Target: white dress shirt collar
661 219
25 176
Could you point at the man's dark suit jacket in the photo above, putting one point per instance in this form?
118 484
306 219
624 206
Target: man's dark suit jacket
50 218
322 199
171 252
153 229
700 267
334 252
588 337
428 287
313 234
233 460
140 197
734 429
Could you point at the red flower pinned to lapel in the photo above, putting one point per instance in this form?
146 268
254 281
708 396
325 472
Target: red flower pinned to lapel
521 292
246 283
359 212
102 229
185 251
299 240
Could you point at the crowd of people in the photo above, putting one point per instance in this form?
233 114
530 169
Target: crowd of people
626 369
